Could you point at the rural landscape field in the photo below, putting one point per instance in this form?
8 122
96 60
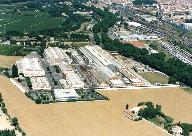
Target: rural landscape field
25 21
94 118
8 61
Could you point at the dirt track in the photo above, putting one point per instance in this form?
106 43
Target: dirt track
93 118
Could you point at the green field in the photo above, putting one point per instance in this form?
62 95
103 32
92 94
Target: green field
155 77
26 21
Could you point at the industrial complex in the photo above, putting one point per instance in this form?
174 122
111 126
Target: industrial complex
63 74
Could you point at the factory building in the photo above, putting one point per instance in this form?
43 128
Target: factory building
65 68
117 82
55 55
136 82
40 83
74 80
65 94
64 84
77 58
30 66
97 60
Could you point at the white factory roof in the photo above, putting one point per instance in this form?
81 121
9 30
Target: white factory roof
40 83
98 60
65 68
134 24
57 54
64 83
65 94
32 64
74 80
117 82
77 57
98 55
135 80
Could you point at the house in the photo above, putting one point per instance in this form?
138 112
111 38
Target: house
177 130
132 114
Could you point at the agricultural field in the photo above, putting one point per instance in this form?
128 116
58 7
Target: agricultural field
155 77
26 21
103 118
8 61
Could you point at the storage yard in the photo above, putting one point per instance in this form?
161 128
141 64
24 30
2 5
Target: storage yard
102 118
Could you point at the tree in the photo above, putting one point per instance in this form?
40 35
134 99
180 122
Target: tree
127 106
14 121
4 110
172 80
140 103
7 133
158 109
14 71
169 120
1 99
38 101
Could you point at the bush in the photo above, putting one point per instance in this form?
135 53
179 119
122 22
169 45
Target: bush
14 121
38 101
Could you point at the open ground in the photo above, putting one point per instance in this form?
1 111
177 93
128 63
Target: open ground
8 61
100 118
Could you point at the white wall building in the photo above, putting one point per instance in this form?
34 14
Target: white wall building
74 81
65 94
177 130
117 82
40 83
77 57
30 67
98 60
55 55
65 68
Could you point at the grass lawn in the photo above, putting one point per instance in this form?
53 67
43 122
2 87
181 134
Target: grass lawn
155 77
